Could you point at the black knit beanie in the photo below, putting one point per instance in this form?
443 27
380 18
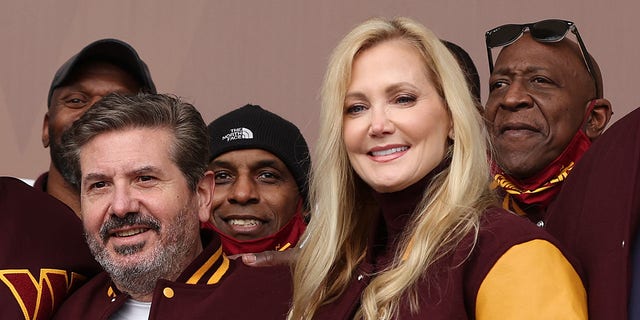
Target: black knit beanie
252 127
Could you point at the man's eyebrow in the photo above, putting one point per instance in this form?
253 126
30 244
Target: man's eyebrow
145 169
139 171
262 163
266 163
502 71
275 164
221 163
94 177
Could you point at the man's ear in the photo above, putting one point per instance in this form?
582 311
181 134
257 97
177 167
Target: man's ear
598 118
45 130
205 196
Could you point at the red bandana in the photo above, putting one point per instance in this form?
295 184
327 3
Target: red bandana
540 189
287 237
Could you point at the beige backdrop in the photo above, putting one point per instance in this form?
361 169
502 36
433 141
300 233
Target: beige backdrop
222 54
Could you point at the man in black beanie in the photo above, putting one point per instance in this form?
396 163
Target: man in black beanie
261 165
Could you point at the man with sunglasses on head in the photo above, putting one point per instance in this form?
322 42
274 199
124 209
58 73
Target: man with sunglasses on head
544 109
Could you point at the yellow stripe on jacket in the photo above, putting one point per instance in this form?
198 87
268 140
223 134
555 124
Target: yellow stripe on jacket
532 280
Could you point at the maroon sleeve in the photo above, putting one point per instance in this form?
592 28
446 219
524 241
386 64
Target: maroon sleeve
596 215
43 254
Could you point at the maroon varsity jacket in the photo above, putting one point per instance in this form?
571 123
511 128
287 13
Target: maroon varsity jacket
450 287
43 254
596 216
212 287
451 293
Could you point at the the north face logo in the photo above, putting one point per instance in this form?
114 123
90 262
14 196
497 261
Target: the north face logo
238 134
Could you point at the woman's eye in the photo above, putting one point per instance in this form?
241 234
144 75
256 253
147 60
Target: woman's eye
355 109
405 99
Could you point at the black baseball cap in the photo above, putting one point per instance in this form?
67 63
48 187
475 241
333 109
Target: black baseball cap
113 51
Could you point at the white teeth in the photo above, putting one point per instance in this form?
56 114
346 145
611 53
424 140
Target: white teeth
388 151
243 222
129 233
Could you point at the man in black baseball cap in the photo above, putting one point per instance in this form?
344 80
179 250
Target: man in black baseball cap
261 165
102 67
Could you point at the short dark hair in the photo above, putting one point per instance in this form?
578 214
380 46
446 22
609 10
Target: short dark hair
468 68
189 151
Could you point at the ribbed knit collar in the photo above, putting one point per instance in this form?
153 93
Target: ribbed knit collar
396 210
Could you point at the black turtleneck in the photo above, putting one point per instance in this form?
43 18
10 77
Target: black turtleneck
396 210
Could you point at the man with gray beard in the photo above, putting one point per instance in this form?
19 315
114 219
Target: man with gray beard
140 165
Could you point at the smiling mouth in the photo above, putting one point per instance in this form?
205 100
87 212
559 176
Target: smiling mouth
129 233
244 222
132 224
388 151
244 228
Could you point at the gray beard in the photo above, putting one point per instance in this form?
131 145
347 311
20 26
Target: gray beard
167 260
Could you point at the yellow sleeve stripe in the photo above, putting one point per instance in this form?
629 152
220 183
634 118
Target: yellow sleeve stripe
532 280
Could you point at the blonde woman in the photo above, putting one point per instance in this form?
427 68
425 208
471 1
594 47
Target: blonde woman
405 225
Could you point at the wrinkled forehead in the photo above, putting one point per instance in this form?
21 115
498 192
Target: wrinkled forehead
527 48
563 58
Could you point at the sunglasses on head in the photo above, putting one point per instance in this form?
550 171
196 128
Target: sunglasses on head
552 30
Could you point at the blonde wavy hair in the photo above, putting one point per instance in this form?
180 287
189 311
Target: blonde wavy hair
343 204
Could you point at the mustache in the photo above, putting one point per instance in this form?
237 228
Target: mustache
130 219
